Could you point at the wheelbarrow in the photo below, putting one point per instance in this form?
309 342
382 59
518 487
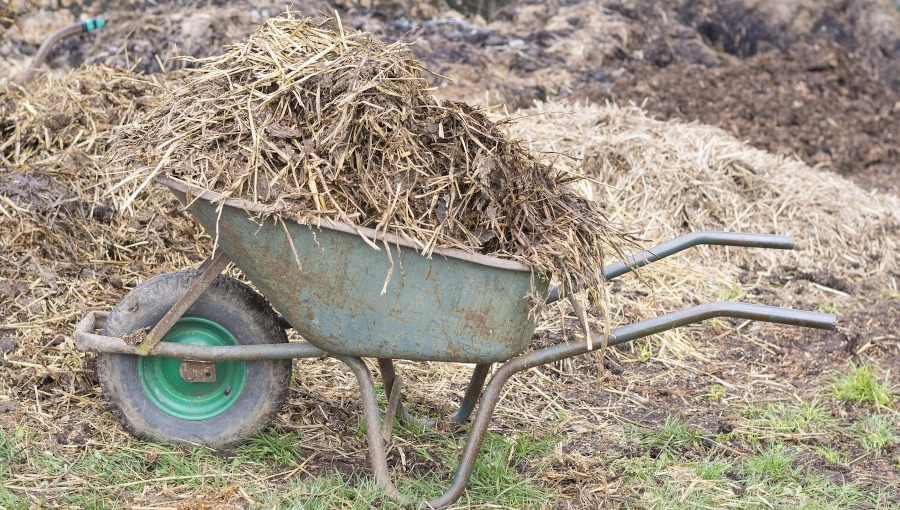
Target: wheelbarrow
196 357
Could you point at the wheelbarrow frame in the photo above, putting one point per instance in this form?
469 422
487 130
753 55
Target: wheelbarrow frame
378 431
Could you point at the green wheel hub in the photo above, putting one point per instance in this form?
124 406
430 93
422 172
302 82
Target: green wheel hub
164 386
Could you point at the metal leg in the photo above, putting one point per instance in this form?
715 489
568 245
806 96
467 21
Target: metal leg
489 400
389 376
473 392
373 426
377 452
476 383
393 404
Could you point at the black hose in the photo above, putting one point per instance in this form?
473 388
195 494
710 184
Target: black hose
87 25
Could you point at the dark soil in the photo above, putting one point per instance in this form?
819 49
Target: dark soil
786 102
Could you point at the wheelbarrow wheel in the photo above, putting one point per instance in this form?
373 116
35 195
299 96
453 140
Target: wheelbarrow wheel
148 394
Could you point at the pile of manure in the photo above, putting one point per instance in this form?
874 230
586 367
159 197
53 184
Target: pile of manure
318 121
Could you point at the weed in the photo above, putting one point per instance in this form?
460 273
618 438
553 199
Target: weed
716 391
646 351
726 293
833 456
875 432
273 446
671 441
827 308
861 385
773 462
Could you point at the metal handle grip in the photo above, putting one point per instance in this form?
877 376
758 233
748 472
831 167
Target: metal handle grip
682 243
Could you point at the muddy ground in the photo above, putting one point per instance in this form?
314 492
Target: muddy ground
819 81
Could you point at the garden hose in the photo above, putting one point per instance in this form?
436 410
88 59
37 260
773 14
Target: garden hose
87 25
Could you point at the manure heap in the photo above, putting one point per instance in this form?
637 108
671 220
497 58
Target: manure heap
320 122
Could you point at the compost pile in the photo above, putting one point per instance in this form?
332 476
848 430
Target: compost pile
55 227
317 121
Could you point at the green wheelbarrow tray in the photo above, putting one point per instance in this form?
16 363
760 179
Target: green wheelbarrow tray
378 297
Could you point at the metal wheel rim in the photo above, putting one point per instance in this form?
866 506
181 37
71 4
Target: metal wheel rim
194 401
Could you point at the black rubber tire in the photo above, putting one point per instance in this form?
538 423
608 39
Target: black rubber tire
230 304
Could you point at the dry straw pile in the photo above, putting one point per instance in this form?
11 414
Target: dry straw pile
321 122
673 178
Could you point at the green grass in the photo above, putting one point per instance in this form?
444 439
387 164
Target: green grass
861 385
726 293
832 455
671 441
776 455
773 463
503 476
875 432
498 476
785 419
10 449
770 476
283 449
504 473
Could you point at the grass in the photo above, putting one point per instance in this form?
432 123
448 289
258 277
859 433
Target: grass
781 452
773 463
861 385
776 456
498 480
274 446
673 440
504 474
875 432
785 420
9 452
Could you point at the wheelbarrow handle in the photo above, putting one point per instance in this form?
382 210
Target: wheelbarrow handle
552 354
682 243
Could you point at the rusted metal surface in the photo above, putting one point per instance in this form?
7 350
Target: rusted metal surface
87 340
682 243
197 371
212 267
345 297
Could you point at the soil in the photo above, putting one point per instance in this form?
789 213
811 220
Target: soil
816 80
